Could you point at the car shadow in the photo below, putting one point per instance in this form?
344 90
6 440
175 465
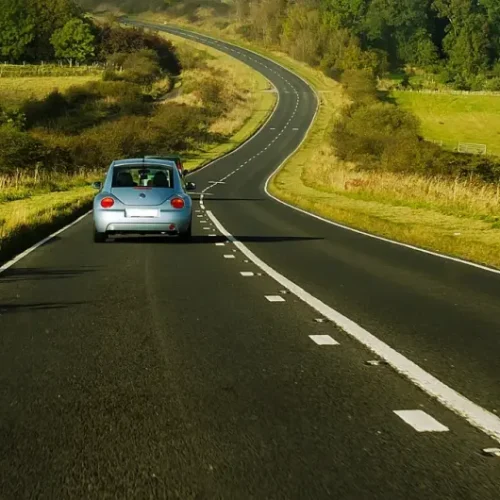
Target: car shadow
209 197
205 239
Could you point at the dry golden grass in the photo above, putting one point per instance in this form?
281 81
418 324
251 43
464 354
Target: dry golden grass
459 196
453 217
13 91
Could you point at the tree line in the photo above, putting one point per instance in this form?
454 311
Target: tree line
47 30
457 40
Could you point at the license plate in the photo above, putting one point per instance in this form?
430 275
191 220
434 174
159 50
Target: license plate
141 212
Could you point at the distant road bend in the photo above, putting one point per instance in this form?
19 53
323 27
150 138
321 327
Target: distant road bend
152 369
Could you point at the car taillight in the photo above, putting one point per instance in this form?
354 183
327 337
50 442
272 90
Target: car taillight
177 202
107 202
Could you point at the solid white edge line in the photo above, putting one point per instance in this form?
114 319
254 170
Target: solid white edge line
16 259
451 399
474 414
421 421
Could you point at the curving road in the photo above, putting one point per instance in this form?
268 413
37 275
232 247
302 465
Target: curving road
153 369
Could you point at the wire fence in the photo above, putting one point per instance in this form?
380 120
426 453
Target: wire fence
43 69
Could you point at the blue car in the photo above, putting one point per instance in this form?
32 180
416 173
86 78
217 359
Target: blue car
143 196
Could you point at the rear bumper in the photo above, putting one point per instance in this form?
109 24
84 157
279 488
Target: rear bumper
116 222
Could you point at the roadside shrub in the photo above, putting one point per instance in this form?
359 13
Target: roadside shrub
191 58
178 126
18 149
44 111
360 85
493 85
378 135
142 68
14 117
116 39
211 91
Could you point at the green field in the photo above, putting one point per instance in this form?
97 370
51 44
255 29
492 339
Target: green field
13 91
456 118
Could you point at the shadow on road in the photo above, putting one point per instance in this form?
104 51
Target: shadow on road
37 306
204 239
37 274
208 197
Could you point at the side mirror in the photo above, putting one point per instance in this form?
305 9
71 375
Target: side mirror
97 185
190 186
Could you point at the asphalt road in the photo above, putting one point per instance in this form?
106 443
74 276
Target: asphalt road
155 369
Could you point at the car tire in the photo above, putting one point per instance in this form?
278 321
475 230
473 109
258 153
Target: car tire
187 234
100 237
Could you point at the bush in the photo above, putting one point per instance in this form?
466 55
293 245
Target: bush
142 68
360 85
492 85
116 39
211 90
45 111
19 149
178 127
377 135
191 58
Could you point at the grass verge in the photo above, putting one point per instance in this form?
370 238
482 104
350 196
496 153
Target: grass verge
25 222
429 213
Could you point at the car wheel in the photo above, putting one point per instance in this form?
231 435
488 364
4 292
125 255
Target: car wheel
100 237
186 235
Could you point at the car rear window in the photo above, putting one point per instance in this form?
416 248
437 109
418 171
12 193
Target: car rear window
154 176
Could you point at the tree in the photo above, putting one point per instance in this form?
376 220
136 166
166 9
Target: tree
17 29
74 41
50 16
467 41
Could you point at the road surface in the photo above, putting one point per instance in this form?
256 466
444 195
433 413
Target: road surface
156 369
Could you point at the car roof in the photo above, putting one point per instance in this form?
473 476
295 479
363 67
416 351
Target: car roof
138 161
163 157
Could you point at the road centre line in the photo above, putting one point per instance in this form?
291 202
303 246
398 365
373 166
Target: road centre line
323 340
275 298
451 399
421 421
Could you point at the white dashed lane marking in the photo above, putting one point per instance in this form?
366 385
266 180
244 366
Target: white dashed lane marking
421 421
247 273
229 256
275 298
323 340
220 244
479 417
